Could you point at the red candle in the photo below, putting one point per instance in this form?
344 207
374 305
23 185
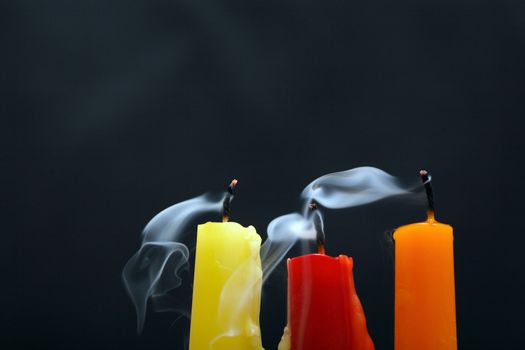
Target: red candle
324 311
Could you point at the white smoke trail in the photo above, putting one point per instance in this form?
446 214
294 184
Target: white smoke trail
345 189
154 270
353 187
283 232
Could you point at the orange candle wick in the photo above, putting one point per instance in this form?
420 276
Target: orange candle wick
431 216
426 178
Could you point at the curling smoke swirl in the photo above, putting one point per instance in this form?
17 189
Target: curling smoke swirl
154 270
345 189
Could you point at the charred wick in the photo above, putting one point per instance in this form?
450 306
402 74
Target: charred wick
427 178
226 204
318 228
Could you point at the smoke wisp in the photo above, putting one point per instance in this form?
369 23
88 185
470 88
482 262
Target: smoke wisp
344 189
155 269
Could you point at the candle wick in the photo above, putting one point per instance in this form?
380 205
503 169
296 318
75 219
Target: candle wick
427 178
226 204
320 248
319 230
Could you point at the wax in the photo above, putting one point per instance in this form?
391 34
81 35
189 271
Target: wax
425 311
324 311
227 288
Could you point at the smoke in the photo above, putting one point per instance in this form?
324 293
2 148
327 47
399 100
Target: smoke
155 270
155 273
353 187
283 232
344 189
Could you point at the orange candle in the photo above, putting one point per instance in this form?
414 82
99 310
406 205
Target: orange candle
425 310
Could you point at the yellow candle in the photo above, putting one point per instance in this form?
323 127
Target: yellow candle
227 288
425 310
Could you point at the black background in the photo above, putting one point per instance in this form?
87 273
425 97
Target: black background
117 109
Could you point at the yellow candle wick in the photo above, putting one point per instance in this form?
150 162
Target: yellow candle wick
226 205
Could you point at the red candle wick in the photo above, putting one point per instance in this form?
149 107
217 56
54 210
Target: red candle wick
320 248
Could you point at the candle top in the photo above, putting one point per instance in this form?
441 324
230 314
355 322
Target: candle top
427 223
429 227
224 224
321 257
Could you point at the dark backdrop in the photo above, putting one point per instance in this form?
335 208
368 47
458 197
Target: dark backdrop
117 109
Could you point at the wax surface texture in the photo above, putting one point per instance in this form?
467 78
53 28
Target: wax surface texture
227 288
425 309
324 311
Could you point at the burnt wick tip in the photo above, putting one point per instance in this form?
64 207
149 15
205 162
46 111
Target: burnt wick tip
426 178
233 184
320 247
226 205
319 229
